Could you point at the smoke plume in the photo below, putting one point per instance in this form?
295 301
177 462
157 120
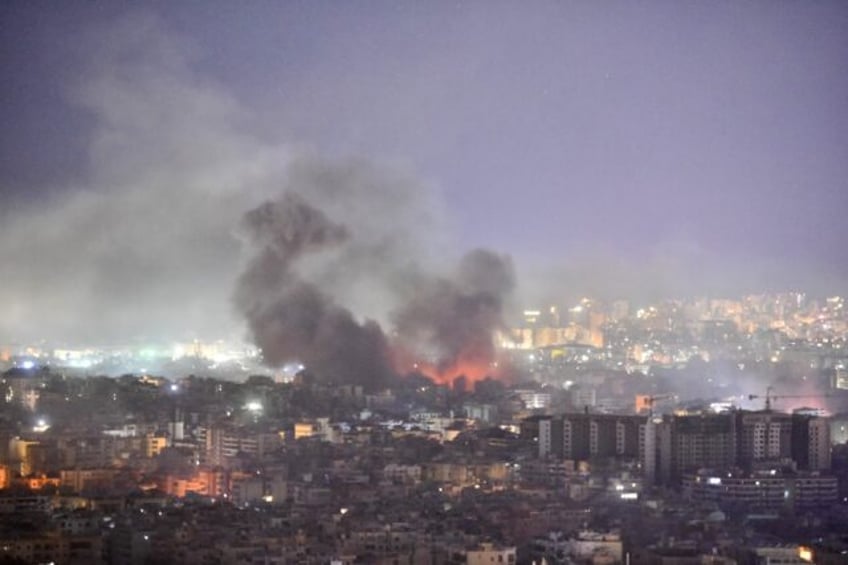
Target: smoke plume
336 257
455 319
292 319
299 290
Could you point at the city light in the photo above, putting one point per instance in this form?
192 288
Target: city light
41 426
380 282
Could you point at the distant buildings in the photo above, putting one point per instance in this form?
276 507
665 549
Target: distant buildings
284 469
683 444
695 441
762 491
744 439
587 436
488 553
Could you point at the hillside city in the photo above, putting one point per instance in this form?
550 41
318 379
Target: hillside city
699 431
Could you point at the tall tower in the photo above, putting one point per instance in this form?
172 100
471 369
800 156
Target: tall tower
811 442
648 450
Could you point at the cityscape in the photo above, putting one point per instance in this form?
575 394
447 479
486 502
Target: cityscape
397 283
695 431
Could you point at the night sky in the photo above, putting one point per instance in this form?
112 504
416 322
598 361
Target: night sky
618 149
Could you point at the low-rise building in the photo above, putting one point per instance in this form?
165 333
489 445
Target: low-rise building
762 491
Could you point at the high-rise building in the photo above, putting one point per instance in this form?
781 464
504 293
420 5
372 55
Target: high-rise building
684 444
745 440
764 437
587 436
691 442
811 448
648 450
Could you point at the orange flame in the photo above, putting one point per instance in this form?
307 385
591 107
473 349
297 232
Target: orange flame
473 368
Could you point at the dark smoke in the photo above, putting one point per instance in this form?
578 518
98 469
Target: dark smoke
455 319
301 289
292 319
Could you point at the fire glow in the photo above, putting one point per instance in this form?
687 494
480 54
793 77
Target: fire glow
472 368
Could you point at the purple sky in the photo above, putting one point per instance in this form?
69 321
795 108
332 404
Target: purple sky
629 138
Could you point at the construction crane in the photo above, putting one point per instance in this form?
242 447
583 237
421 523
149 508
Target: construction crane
769 396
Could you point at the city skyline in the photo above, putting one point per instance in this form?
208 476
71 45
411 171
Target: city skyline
424 283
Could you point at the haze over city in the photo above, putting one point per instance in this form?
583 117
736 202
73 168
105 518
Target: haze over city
424 283
607 150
